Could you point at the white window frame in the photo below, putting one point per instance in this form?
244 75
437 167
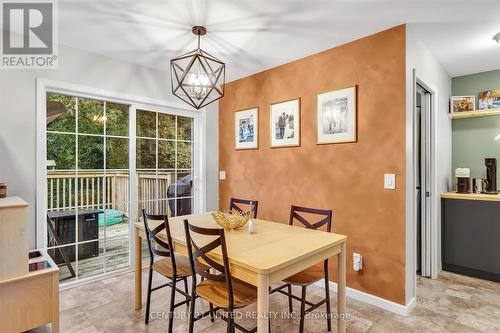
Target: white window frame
136 102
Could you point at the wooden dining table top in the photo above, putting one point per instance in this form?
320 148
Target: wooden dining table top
271 246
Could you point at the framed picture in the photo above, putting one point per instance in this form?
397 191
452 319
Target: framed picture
285 124
246 127
489 99
462 103
336 116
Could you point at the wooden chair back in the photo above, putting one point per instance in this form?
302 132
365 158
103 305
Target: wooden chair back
325 218
235 204
153 241
325 215
200 253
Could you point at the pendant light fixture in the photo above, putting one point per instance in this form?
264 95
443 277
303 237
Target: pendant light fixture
197 77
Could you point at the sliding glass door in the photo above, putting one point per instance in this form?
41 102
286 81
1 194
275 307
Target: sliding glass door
88 189
164 160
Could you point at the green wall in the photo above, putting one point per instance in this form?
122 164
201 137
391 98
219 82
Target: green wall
474 138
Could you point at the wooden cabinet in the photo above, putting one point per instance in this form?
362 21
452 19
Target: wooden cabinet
31 300
29 282
13 238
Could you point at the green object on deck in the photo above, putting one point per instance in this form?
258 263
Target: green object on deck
112 217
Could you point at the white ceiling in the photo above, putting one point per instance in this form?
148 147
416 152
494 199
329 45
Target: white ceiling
463 47
254 35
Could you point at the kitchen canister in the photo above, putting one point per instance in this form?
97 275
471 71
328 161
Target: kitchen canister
3 190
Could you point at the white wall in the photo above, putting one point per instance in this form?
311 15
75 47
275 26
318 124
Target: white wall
212 156
18 115
429 71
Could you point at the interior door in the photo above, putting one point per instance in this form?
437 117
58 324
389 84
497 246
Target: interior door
425 181
418 184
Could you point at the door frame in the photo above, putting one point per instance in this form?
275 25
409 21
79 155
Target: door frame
411 245
434 195
428 181
199 164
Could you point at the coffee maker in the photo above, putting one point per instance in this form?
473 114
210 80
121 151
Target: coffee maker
491 176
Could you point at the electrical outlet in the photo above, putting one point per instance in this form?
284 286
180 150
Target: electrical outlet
222 175
357 262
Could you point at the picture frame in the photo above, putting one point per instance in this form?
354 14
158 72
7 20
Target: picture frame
285 123
336 116
462 103
246 129
489 99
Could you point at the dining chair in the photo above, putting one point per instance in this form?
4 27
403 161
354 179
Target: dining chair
218 288
235 204
310 275
172 266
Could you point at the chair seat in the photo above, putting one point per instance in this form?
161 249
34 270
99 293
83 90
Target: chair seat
306 277
216 292
164 266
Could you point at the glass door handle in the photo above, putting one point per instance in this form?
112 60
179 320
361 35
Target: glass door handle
196 181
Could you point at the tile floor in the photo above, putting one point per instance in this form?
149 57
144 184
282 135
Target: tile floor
452 303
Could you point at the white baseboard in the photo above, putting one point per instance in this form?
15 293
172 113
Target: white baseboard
402 310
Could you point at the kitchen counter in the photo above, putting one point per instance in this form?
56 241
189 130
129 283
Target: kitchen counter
471 196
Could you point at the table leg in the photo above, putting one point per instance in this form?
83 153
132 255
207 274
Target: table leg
262 303
341 307
138 271
55 302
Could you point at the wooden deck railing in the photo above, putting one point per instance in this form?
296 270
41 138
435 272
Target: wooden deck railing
96 190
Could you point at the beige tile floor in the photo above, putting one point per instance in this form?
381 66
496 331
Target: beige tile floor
452 303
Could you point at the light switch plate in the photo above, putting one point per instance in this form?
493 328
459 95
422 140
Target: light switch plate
390 181
222 175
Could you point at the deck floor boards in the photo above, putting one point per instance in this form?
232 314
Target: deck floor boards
113 254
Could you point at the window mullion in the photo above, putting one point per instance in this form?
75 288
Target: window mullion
105 166
77 114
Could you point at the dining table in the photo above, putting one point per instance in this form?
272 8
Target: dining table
273 252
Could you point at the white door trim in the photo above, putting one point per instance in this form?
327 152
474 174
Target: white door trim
411 246
434 257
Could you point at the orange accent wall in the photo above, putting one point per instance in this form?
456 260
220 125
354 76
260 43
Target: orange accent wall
347 178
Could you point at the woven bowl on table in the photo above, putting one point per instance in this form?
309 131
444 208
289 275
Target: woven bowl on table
232 220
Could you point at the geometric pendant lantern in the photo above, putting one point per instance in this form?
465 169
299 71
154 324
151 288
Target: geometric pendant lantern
197 77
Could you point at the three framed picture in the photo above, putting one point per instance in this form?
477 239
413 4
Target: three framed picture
336 121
